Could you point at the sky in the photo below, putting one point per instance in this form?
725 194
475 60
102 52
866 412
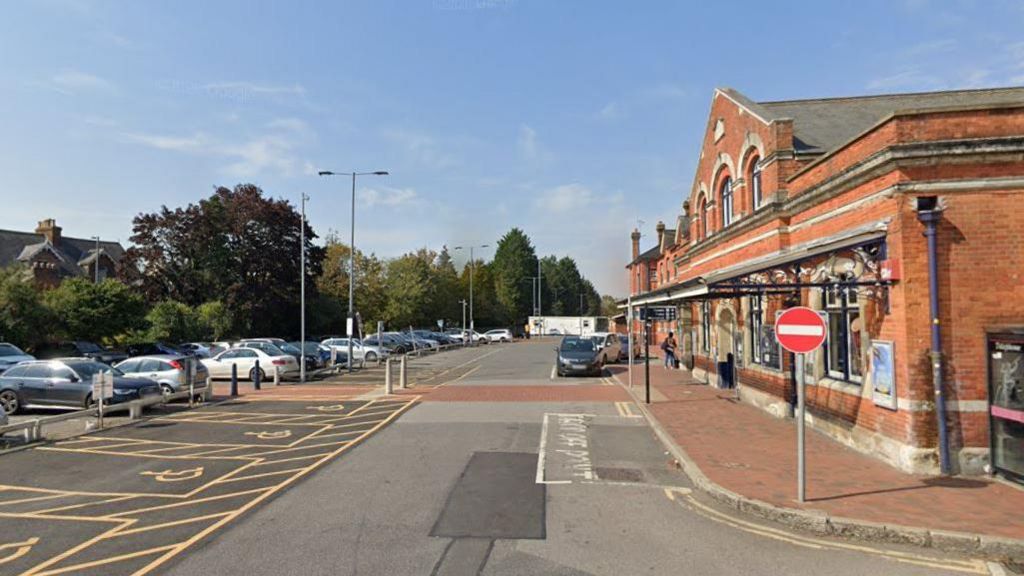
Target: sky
573 120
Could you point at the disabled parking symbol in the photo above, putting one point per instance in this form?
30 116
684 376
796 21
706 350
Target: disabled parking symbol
270 435
16 550
175 476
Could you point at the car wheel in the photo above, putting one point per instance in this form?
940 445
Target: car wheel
166 389
88 402
370 357
9 402
252 375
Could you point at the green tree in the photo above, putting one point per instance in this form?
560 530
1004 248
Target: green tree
445 285
172 321
370 297
515 262
95 312
24 318
215 319
609 306
408 290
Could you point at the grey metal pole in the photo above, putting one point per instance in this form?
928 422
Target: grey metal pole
629 339
302 298
472 268
930 218
352 274
801 408
539 313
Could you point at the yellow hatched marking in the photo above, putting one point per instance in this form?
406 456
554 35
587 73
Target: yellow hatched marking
255 476
205 453
20 549
323 436
186 503
32 499
64 492
295 449
151 456
84 505
102 562
255 501
165 525
295 459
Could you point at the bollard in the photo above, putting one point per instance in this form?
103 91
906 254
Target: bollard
191 384
234 380
388 386
403 381
208 392
256 375
135 410
277 376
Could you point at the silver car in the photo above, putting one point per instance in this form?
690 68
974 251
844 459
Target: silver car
171 372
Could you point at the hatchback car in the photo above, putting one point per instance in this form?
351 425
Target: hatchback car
499 335
11 355
578 355
167 370
65 382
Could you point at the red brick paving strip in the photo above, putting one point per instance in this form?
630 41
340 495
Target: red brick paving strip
524 394
749 452
222 389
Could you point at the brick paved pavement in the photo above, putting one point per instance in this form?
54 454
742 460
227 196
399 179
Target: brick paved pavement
749 452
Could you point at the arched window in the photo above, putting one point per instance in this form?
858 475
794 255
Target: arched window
755 182
703 225
726 201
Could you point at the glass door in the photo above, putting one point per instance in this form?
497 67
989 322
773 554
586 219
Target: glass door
1006 396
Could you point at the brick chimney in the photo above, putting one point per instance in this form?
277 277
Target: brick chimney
50 230
635 236
660 228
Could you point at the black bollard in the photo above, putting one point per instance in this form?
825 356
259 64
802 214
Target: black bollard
256 376
234 380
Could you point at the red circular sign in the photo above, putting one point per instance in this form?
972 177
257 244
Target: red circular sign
800 330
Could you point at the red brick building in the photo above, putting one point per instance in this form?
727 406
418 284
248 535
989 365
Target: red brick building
826 203
51 256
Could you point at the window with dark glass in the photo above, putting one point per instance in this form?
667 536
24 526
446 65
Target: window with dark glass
755 182
726 201
703 219
764 347
843 346
705 313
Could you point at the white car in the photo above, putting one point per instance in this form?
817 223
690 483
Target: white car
11 355
360 351
499 335
245 358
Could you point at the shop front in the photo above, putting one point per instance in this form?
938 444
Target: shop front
1006 398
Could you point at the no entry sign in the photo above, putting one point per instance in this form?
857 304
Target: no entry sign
800 330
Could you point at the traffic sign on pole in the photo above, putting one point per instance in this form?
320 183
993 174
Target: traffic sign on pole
800 330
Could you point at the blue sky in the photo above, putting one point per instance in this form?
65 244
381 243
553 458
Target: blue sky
572 120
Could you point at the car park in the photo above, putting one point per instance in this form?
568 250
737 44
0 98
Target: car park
313 350
65 382
199 349
170 371
608 346
499 335
78 349
391 341
578 355
245 359
11 355
360 349
151 349
422 339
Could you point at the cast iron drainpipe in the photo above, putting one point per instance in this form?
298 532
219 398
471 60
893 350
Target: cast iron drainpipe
929 211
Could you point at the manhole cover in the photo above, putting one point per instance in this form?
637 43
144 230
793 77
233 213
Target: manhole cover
620 474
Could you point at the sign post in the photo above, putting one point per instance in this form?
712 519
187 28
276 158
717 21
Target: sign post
102 388
800 330
647 356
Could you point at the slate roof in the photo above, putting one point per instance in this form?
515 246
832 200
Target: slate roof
824 124
72 250
648 255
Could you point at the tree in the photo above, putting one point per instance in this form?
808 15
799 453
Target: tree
370 295
445 298
95 312
408 289
24 318
216 320
515 262
171 321
609 306
237 245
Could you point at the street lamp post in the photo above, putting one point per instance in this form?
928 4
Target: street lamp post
463 302
352 255
302 290
472 268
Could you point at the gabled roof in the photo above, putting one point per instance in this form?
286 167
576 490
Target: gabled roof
651 254
668 239
824 124
18 246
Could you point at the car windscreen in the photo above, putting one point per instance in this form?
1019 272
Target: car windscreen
10 350
85 370
577 345
88 347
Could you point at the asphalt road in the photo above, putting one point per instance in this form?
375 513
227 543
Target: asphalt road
503 470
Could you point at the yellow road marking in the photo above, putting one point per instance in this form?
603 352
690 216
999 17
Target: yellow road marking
970 566
296 458
185 503
264 435
150 456
175 475
254 476
32 499
165 525
84 505
20 549
102 562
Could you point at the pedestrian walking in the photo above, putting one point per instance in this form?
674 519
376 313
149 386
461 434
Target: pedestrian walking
669 348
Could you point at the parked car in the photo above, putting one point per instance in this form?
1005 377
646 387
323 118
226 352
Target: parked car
313 350
393 343
78 349
245 358
360 349
578 355
608 345
499 335
420 342
624 347
443 338
65 382
279 342
151 349
11 355
456 334
478 338
170 371
199 349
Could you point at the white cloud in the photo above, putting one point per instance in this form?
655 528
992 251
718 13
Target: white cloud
251 88
527 142
421 148
164 142
610 111
73 81
564 198
386 196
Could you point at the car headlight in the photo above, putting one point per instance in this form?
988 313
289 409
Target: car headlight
123 391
